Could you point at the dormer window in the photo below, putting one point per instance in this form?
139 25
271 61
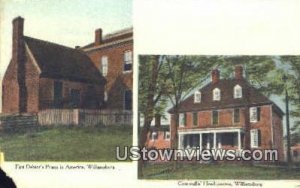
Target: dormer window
216 94
237 93
197 97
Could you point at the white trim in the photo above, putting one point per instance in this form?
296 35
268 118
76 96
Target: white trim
215 98
236 88
156 133
35 64
211 130
197 99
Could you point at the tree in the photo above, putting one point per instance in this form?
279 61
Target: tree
182 75
259 71
291 68
150 95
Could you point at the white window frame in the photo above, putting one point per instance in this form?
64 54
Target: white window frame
216 94
127 59
104 65
253 114
238 92
167 135
197 97
254 138
105 96
182 120
153 135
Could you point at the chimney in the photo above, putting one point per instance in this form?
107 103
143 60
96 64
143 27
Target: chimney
98 36
215 76
238 72
18 56
17 43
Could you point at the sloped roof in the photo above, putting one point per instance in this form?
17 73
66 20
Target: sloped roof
61 62
251 97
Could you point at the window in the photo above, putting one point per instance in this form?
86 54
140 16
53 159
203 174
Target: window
104 65
195 118
255 138
105 96
215 117
216 94
74 98
154 135
127 60
236 115
167 135
254 114
237 92
182 119
128 100
58 94
197 97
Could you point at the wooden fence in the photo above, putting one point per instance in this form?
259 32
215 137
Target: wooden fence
84 117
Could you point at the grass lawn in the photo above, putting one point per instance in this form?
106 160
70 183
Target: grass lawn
217 171
93 144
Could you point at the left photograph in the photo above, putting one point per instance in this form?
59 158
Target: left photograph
61 102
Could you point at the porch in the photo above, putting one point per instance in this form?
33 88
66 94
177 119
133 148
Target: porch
217 138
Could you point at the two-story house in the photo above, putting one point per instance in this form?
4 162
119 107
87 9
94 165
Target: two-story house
112 54
214 116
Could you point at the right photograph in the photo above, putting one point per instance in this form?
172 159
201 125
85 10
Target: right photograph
219 117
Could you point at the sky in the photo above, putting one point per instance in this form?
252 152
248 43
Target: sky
67 22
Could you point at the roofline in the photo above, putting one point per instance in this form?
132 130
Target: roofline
118 33
106 45
226 107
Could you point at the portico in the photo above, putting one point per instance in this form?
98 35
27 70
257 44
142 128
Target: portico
211 138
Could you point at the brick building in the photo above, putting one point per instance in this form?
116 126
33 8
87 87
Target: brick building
43 75
113 56
214 116
158 137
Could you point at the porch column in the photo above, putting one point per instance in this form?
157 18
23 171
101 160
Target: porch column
239 139
215 140
200 141
179 141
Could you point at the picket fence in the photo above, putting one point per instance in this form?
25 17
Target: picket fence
84 117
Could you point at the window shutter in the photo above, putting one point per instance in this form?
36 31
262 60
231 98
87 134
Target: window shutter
258 113
258 138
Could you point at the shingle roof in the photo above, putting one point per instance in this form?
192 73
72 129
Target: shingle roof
61 62
227 100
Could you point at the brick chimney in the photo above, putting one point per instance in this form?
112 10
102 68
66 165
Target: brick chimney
215 76
238 72
18 57
98 36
